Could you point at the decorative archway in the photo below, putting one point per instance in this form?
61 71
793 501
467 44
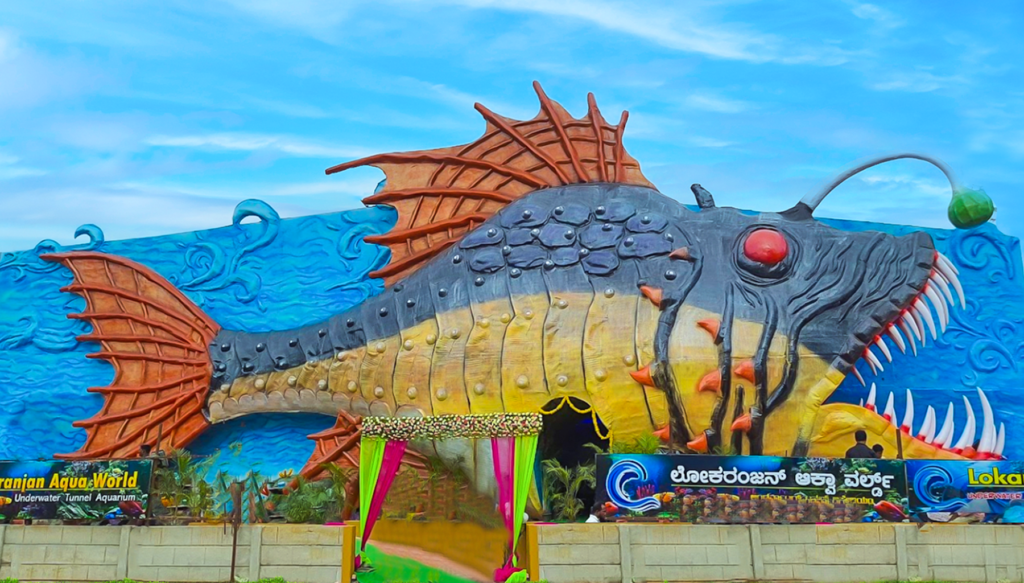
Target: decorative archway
513 443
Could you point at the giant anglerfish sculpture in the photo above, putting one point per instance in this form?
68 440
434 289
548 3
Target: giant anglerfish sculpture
538 263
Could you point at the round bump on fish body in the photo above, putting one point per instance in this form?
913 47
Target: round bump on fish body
505 318
528 314
261 347
380 409
225 347
398 288
600 374
478 281
515 272
412 392
629 360
506 250
454 333
352 386
350 323
293 342
562 304
600 211
766 246
378 392
221 367
549 264
408 345
321 384
281 362
584 252
671 275
442 394
248 367
456 259
442 292
410 303
431 338
292 380
479 388
260 383
483 323
321 332
522 381
339 356
562 380
380 347
383 312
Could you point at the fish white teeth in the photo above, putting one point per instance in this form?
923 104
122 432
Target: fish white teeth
876 364
862 402
927 432
870 405
921 308
946 268
918 321
945 435
905 326
880 343
1000 440
890 410
943 286
908 416
940 306
967 437
987 444
894 333
948 263
856 373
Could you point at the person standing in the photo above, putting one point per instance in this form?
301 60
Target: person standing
878 449
861 449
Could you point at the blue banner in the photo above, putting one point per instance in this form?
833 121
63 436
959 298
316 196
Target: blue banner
989 491
750 489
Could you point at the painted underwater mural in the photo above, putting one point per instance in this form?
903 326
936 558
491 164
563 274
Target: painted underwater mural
535 264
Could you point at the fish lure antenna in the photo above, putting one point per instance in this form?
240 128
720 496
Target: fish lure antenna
968 208
704 198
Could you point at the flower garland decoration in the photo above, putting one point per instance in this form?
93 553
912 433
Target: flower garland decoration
453 426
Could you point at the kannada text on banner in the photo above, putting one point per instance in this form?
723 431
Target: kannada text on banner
751 489
74 491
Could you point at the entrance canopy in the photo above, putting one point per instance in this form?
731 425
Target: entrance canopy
513 443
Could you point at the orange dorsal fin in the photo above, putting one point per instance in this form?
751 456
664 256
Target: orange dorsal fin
442 194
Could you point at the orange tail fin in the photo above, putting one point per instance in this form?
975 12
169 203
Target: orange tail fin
157 340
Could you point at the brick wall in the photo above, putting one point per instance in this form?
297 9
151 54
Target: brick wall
842 553
299 553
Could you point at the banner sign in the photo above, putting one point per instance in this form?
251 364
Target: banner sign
750 489
87 491
990 491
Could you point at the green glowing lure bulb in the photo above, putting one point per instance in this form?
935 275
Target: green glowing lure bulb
970 208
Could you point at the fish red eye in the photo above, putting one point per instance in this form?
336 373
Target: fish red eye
766 246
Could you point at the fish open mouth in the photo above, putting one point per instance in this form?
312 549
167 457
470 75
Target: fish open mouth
928 314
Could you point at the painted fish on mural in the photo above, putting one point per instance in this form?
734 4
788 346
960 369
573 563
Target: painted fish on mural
538 264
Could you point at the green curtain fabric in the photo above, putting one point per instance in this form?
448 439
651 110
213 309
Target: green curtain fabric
371 455
526 450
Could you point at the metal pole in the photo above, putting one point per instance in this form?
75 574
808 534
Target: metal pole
899 444
236 521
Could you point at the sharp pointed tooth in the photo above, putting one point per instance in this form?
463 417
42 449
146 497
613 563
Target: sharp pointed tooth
856 373
946 433
894 333
870 405
873 361
943 285
890 410
922 308
950 273
927 431
918 321
949 264
988 428
880 343
908 418
905 326
967 437
1000 440
862 402
940 306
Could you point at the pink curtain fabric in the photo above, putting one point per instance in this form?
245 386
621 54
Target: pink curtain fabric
393 452
503 450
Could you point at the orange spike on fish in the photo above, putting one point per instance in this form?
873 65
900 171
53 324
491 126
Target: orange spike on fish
699 443
745 370
664 434
711 326
681 253
643 376
710 382
651 293
742 423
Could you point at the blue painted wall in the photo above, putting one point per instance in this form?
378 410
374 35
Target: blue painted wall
275 273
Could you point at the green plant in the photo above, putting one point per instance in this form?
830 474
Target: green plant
562 486
309 502
182 482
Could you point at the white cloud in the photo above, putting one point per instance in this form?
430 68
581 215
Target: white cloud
717 104
878 14
254 142
916 82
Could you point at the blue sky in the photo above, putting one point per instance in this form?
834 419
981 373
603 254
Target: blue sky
154 118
